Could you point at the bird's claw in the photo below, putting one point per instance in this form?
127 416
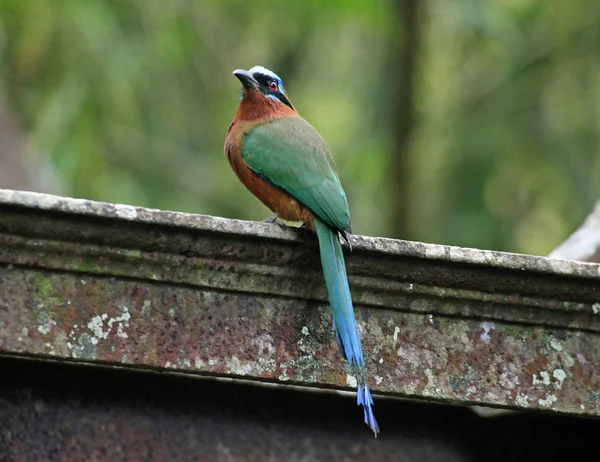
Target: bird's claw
273 220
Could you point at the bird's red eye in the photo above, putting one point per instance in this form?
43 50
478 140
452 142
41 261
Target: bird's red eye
272 85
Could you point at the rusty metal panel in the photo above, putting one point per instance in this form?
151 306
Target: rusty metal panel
114 284
57 412
86 414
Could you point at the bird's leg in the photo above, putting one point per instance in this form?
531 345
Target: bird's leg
273 219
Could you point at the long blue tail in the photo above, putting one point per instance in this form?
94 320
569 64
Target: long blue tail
344 323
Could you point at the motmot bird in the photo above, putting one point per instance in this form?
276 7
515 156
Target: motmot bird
285 163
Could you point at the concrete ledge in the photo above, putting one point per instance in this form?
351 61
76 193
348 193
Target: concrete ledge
128 286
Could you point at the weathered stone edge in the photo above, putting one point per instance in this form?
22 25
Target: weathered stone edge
388 246
292 282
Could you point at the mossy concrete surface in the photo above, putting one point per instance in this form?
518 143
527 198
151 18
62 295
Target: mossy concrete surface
128 286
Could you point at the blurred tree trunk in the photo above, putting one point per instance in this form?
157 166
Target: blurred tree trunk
18 169
403 70
584 243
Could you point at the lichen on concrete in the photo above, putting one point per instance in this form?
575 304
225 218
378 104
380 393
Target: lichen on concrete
129 286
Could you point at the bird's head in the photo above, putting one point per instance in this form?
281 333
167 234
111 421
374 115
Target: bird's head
260 80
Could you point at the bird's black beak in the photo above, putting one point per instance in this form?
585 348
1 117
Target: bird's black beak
248 81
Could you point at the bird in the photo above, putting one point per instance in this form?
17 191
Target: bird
282 159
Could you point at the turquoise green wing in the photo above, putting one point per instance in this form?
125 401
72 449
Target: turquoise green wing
291 154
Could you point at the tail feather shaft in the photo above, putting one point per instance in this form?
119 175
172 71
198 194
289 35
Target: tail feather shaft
344 322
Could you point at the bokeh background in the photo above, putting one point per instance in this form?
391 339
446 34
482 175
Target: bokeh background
459 122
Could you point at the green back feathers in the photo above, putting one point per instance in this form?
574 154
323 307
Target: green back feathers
290 153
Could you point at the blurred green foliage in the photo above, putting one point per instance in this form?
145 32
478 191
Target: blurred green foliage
131 100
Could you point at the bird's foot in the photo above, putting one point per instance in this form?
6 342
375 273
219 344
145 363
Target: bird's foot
273 220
